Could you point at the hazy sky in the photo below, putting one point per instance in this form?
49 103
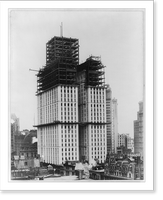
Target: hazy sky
115 35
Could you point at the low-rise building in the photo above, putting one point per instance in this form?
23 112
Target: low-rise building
26 144
121 167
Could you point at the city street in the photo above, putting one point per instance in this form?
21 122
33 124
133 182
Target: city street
57 178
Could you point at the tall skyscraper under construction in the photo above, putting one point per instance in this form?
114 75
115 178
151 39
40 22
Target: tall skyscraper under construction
57 94
71 105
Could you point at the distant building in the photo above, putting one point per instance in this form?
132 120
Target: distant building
122 140
18 143
123 150
12 138
109 118
138 131
16 122
130 143
114 125
15 130
126 141
26 144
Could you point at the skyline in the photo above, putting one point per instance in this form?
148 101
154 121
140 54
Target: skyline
116 36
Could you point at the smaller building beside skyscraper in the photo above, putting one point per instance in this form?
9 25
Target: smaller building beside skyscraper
138 131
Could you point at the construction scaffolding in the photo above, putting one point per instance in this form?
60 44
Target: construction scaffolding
62 58
94 69
64 49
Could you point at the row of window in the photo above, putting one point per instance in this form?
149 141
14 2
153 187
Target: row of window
68 140
68 89
68 119
102 158
98 144
96 100
68 113
98 153
98 148
69 149
97 119
68 95
68 99
68 135
68 105
69 158
64 117
97 140
97 126
69 126
97 91
69 144
68 154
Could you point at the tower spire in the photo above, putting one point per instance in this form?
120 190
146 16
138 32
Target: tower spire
61 30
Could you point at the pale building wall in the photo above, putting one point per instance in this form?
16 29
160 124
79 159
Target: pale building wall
58 142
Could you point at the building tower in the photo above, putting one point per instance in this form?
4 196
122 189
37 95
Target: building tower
15 130
130 144
92 110
109 118
57 94
138 131
114 126
122 140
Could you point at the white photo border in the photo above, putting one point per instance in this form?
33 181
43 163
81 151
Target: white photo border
5 184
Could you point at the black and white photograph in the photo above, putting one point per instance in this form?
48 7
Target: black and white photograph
77 95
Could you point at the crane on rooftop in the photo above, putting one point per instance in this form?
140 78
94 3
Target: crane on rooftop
34 70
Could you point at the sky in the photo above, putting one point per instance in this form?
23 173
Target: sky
115 35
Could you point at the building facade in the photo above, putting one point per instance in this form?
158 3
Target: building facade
138 131
57 95
58 137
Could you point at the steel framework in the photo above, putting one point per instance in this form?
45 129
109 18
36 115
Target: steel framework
62 58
